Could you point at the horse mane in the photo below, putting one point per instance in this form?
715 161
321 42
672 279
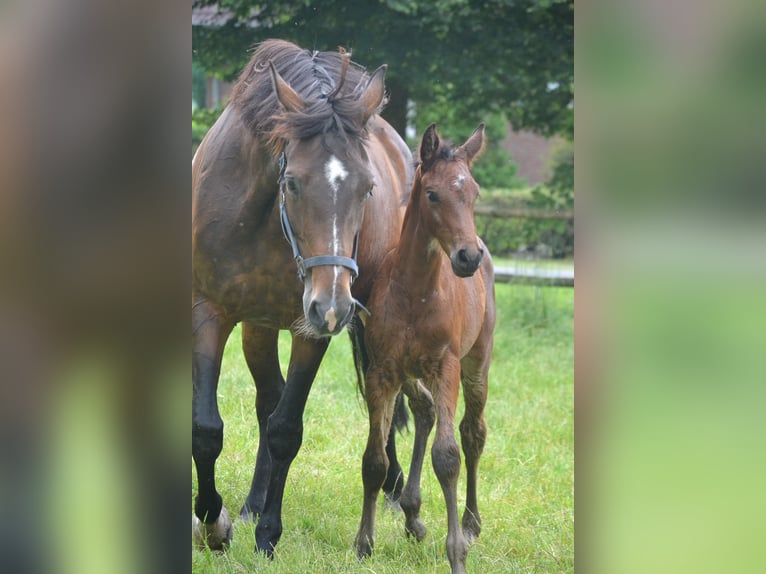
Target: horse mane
328 82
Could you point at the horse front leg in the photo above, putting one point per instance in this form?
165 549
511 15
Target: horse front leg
381 395
284 435
211 524
422 407
260 346
445 457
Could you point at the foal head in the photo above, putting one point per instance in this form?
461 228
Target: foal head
447 197
326 180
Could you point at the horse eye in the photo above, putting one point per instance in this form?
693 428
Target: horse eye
432 196
369 193
292 186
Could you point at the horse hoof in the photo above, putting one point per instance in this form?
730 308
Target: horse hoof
417 529
363 548
268 552
216 536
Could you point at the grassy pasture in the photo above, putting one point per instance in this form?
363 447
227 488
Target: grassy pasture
526 484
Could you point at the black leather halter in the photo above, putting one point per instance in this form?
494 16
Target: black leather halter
304 264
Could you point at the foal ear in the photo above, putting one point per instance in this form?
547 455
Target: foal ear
289 99
374 93
429 146
474 145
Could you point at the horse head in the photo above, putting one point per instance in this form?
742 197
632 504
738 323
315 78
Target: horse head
449 195
325 181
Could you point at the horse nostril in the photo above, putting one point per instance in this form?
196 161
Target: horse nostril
462 256
314 315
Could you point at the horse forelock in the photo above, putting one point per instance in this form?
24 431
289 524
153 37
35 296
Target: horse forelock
445 152
329 84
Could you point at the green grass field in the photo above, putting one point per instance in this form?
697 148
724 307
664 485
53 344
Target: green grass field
526 484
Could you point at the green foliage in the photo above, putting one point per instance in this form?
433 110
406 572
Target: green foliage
534 237
494 169
514 57
198 87
202 119
557 194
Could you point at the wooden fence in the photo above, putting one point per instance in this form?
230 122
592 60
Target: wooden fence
530 275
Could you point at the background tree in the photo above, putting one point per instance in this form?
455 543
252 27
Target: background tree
481 56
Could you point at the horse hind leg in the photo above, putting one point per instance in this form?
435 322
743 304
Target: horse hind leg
260 347
422 407
211 524
473 435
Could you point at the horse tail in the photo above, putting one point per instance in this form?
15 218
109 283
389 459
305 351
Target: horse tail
362 364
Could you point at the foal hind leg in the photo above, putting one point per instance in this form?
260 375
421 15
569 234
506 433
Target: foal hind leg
422 407
260 346
211 524
392 487
473 434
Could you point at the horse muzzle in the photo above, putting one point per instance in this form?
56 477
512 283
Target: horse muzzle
329 318
466 260
327 301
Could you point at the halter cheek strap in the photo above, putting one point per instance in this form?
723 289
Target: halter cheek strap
320 260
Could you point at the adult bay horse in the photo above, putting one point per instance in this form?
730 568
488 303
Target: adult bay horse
431 327
299 153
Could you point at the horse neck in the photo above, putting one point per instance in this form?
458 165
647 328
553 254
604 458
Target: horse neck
419 256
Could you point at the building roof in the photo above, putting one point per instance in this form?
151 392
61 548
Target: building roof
213 16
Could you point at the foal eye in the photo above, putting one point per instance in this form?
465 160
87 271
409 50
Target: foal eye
369 193
432 196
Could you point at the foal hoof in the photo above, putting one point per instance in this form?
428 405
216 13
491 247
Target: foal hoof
216 536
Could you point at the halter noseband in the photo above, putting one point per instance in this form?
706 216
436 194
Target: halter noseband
304 264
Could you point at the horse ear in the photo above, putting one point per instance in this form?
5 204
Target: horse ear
429 146
374 92
288 97
474 145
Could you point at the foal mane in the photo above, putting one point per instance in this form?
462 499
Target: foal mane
329 83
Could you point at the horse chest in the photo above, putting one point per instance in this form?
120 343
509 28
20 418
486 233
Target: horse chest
421 349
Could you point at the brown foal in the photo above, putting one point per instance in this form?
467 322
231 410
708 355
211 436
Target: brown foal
431 328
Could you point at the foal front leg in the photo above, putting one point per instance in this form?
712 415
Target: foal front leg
445 457
381 396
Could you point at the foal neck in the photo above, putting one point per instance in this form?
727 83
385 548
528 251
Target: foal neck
419 257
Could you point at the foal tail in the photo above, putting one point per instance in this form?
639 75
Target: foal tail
362 363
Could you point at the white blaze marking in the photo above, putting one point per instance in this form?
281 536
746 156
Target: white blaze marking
458 183
335 172
330 318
